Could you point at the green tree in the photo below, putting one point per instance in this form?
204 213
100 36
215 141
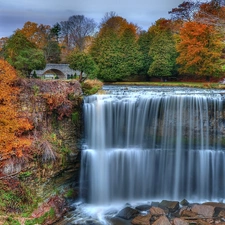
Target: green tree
84 63
23 54
16 43
163 54
28 60
55 32
144 42
132 57
106 53
115 49
162 49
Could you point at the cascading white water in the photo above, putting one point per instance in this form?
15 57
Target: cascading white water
146 143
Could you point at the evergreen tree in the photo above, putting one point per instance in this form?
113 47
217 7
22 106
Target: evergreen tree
144 42
115 50
55 32
106 53
132 57
162 50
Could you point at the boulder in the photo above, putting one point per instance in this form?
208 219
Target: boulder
156 204
127 213
215 204
142 220
156 211
219 208
203 222
118 221
183 208
143 207
188 213
206 211
184 202
162 221
179 221
172 206
221 214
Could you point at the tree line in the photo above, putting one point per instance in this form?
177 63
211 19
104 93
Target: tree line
190 43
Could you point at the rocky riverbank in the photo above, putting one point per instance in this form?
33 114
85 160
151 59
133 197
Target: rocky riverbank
156 213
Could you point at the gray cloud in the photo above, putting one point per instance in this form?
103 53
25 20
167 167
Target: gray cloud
13 14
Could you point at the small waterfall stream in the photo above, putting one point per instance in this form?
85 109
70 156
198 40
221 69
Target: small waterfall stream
146 143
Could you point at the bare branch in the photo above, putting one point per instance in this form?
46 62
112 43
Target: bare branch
76 29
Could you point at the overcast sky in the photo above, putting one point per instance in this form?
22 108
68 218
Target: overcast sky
14 13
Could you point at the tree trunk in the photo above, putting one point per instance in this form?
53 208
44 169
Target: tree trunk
80 78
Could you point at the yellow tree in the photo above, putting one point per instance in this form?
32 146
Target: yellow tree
12 123
200 49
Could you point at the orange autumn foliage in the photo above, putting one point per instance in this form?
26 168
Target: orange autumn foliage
37 34
200 49
211 13
162 25
117 24
12 123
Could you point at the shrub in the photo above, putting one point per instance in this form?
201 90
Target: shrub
91 87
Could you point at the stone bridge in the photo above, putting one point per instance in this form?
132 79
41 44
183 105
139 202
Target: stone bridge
52 70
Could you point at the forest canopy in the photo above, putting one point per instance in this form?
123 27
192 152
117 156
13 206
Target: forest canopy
191 43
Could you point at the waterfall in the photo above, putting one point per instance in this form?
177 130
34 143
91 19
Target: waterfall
146 143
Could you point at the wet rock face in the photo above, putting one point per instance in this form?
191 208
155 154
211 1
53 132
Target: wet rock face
56 203
52 164
55 109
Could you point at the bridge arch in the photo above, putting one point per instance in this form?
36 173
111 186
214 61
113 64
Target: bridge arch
51 71
54 73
